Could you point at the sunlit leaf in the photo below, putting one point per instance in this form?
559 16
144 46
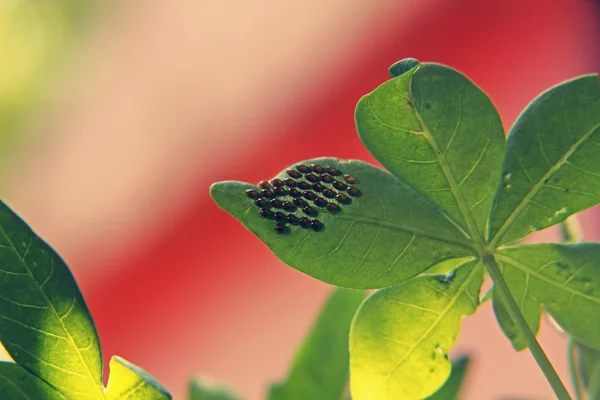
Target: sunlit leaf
386 235
401 335
551 166
440 134
129 382
44 323
453 386
16 383
320 369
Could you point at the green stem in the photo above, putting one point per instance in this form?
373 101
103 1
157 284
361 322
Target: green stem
573 368
570 230
515 314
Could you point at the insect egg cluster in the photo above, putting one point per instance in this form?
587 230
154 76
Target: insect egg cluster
308 190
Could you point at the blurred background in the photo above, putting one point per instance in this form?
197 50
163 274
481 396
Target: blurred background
115 117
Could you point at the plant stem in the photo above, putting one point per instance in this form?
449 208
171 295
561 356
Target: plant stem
570 230
515 314
573 369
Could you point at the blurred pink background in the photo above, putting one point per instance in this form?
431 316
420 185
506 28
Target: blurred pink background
160 99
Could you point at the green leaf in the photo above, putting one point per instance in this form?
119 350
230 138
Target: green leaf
589 363
453 386
561 278
439 133
18 383
203 389
400 335
129 382
44 322
386 235
551 166
320 370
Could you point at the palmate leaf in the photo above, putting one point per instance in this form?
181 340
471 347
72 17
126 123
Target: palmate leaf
401 335
564 279
385 236
320 369
46 327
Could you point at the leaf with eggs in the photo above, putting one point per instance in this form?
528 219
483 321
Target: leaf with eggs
383 235
401 335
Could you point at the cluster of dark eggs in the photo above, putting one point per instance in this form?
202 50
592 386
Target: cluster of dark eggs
307 189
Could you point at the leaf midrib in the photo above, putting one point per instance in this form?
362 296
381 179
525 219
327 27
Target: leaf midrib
440 317
55 312
535 188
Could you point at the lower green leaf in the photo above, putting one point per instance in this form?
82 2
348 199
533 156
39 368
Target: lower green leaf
202 389
453 385
589 362
563 278
401 335
320 370
129 382
17 383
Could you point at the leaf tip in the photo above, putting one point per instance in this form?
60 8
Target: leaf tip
403 66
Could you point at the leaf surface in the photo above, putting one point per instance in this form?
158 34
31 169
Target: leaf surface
400 335
44 322
320 369
202 389
16 383
129 382
551 169
439 133
453 386
386 235
564 279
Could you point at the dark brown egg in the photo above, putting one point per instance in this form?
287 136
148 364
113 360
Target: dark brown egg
251 193
294 193
349 179
311 177
320 202
342 198
352 191
265 212
299 202
339 185
330 194
317 168
305 222
293 173
317 187
331 171
307 210
275 203
279 216
292 219
303 185
326 178
261 202
309 195
289 182
277 182
280 191
316 225
333 207
266 193
279 228
303 168
287 206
